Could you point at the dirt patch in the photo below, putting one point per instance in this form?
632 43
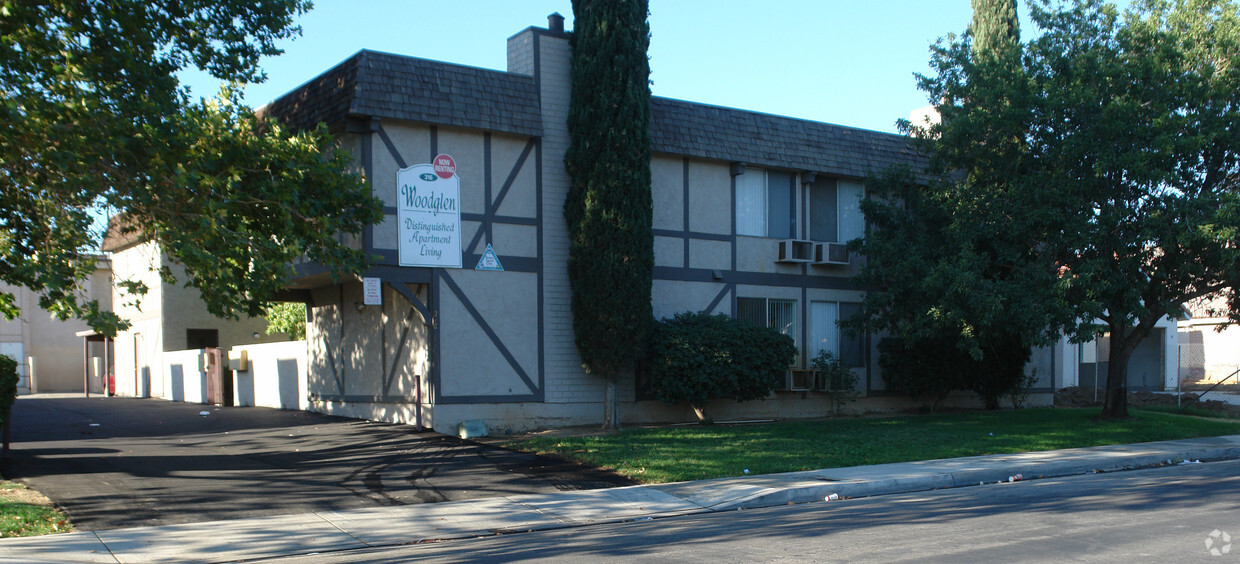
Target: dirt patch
1080 396
18 493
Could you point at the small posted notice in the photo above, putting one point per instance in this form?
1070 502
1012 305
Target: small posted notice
372 291
489 261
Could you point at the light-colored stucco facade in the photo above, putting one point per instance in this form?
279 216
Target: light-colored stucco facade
750 216
453 344
164 319
57 352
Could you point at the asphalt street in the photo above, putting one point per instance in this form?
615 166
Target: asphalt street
1175 513
125 462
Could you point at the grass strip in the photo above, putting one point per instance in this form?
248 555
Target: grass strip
26 513
673 454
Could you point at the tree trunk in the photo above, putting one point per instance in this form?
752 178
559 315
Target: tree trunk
611 406
1115 402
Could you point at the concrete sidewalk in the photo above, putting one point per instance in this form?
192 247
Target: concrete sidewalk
308 533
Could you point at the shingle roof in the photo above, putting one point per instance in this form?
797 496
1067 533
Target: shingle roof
383 85
701 130
377 84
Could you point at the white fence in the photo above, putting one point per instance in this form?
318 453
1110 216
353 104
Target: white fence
275 376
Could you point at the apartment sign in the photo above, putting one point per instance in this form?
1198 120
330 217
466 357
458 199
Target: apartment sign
429 213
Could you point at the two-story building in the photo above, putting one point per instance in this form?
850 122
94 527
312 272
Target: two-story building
466 314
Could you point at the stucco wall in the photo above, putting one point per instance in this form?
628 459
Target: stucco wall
53 344
182 376
275 376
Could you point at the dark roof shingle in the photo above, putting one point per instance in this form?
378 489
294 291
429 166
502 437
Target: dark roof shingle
383 85
377 84
701 130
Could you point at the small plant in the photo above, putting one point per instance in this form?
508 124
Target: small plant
1020 393
839 382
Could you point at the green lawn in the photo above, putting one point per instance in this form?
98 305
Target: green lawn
675 454
24 513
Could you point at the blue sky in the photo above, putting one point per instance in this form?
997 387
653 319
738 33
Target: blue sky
838 61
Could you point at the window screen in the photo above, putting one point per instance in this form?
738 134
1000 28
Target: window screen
779 209
783 316
823 212
752 310
751 203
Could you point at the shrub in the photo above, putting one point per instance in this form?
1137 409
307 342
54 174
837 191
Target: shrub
841 383
1001 369
929 368
1020 394
8 386
698 357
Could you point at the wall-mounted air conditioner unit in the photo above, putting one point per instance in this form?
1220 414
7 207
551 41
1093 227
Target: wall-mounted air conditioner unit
801 379
831 253
795 250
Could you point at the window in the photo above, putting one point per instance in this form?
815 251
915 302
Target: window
777 314
835 211
201 338
766 204
825 333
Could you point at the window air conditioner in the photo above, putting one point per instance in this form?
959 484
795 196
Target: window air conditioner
801 379
795 250
831 253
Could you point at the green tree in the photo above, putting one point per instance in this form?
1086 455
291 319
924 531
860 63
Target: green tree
92 116
288 318
995 28
609 205
959 282
1122 179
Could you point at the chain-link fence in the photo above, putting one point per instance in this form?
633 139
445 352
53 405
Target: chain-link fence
1208 361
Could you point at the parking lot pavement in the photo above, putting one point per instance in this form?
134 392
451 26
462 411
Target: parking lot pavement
125 462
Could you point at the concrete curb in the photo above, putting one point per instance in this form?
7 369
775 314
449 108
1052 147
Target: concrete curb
805 487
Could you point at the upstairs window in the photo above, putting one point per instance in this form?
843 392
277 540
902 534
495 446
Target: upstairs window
835 210
766 204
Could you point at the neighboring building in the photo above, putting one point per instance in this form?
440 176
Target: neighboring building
1209 343
1153 366
53 345
169 317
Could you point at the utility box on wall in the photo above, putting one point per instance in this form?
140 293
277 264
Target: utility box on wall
238 361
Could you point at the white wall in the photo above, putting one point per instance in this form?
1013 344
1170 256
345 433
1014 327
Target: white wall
275 376
183 378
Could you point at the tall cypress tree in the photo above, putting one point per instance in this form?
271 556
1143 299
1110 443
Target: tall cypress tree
609 205
996 29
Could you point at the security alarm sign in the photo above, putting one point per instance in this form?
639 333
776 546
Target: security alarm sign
429 212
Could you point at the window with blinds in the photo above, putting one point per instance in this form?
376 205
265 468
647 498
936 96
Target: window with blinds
825 334
766 204
780 315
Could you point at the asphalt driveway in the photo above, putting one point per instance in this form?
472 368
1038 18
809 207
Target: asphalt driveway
124 462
